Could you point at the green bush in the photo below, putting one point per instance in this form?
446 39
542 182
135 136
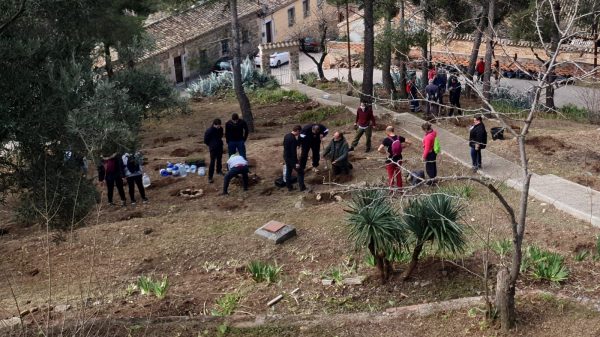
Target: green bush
252 79
573 112
267 96
261 271
544 265
320 114
309 79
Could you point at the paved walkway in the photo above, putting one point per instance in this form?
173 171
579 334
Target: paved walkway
574 199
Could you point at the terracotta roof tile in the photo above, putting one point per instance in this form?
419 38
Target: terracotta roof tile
192 23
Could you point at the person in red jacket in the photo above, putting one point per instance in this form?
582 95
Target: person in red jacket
365 121
480 68
429 155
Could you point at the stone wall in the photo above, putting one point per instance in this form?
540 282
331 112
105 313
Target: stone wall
458 52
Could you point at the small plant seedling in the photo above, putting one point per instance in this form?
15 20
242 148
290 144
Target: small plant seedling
261 271
147 286
131 289
226 305
502 247
545 265
581 255
370 260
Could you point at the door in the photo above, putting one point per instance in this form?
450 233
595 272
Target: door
178 69
269 32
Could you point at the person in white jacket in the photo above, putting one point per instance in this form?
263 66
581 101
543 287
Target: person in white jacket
236 165
132 165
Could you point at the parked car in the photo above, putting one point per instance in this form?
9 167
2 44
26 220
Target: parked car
275 60
222 64
311 45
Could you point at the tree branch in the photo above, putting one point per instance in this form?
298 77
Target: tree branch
14 17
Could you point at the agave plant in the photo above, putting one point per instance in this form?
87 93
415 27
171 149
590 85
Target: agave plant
375 225
434 219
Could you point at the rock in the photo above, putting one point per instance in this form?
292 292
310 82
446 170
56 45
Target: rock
543 204
9 323
543 211
326 282
338 198
472 219
148 231
276 231
34 272
299 204
425 284
354 280
62 307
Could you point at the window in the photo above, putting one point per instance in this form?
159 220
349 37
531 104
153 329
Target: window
224 46
291 16
306 8
245 36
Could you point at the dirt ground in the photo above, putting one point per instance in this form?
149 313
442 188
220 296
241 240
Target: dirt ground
203 244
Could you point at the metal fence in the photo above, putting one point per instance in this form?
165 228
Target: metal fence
283 75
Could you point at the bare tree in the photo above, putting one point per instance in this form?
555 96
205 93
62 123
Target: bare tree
321 27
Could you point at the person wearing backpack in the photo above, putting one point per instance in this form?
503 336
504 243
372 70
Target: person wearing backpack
132 164
392 145
111 171
429 153
477 141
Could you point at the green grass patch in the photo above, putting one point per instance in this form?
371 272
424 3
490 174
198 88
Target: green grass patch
320 114
266 96
544 265
148 286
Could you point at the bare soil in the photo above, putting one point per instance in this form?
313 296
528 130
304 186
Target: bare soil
203 244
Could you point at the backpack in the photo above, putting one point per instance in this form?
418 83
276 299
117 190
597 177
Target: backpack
437 147
132 164
396 147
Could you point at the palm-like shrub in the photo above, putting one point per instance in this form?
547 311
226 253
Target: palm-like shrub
375 225
434 218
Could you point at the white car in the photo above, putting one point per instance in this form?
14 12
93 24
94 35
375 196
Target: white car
276 59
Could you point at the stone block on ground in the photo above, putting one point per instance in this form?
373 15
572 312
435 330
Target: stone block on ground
276 231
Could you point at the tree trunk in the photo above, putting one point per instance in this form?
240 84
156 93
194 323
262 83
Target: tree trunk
350 80
380 263
553 47
400 57
424 51
237 70
108 61
386 76
487 74
475 50
506 310
413 262
369 57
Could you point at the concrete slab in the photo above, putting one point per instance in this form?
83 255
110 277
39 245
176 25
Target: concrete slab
276 231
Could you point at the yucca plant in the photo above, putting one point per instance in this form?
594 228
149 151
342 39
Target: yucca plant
434 219
375 225
545 265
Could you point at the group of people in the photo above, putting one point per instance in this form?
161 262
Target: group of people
114 168
438 84
297 145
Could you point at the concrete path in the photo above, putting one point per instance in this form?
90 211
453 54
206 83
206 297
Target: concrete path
574 199
565 95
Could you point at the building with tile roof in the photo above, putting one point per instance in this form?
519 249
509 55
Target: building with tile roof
189 42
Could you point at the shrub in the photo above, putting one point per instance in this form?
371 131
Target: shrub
434 218
309 79
320 114
573 112
375 225
217 82
261 271
226 305
265 96
582 255
507 101
544 265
